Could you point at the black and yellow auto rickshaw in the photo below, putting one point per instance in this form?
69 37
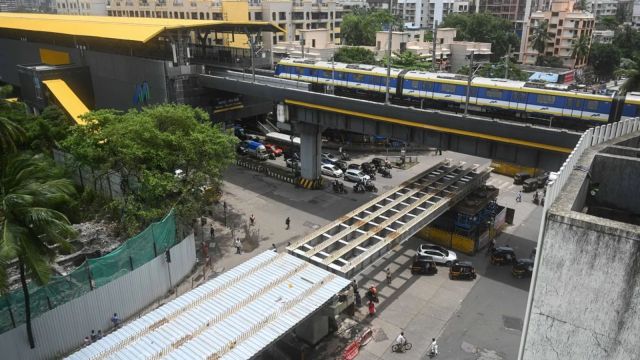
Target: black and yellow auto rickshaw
462 270
522 268
423 264
503 255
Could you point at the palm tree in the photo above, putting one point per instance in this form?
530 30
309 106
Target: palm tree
632 73
538 39
580 49
30 225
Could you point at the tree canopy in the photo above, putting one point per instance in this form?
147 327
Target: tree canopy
359 27
538 40
355 55
147 148
627 40
604 58
483 27
497 70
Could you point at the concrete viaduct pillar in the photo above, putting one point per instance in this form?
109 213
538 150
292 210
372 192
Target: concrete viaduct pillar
310 154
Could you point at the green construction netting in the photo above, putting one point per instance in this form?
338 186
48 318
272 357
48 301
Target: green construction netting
133 253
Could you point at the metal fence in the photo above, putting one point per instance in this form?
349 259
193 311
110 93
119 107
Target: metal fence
61 330
591 137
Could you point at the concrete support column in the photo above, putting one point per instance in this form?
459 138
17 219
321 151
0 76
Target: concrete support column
310 150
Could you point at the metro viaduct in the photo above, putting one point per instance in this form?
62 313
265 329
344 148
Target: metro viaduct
310 113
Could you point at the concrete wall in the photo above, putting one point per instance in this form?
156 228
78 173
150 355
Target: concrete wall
614 191
63 329
587 299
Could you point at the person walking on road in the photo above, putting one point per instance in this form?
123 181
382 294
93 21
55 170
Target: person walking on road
274 248
519 196
252 220
212 233
372 308
388 273
115 320
238 245
287 222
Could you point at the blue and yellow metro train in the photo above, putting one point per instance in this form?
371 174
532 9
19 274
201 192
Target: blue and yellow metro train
488 95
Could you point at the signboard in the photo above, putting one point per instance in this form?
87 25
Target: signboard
282 113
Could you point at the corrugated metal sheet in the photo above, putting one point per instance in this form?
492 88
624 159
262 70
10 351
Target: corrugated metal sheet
235 315
59 331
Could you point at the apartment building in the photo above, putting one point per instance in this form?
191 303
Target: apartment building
421 14
565 26
8 5
602 8
635 14
293 16
81 7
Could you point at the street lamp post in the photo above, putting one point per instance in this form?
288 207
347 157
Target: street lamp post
471 74
386 96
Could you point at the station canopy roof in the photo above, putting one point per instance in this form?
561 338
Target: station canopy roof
234 316
122 28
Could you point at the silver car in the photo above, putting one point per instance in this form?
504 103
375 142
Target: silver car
355 175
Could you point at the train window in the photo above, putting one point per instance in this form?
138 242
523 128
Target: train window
428 86
415 84
473 92
569 103
338 75
519 97
448 88
321 74
578 103
592 105
358 77
375 80
546 99
494 94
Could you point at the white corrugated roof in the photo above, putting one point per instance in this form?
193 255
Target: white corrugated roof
235 315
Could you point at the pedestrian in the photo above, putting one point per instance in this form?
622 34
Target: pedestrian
372 308
288 243
274 248
358 299
99 336
212 233
354 285
115 320
288 222
252 220
204 249
519 196
388 272
94 337
238 245
87 341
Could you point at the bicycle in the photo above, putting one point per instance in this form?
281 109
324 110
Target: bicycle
397 347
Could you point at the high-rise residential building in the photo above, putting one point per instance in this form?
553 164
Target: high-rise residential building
565 26
8 5
293 16
635 14
81 7
421 14
602 8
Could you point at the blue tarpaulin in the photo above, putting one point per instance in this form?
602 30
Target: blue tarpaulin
548 77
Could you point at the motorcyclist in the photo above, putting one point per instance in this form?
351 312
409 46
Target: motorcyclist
433 350
401 340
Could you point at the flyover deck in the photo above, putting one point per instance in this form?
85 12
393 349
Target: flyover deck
349 244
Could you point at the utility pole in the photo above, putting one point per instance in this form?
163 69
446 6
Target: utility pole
506 62
435 36
302 43
386 96
466 104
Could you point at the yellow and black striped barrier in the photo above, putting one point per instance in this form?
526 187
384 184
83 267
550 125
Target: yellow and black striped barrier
311 184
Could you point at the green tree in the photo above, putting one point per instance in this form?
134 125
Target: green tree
627 40
47 130
496 70
146 148
10 132
408 60
360 26
580 48
538 39
622 15
609 22
604 58
483 27
32 192
355 55
551 61
581 5
631 71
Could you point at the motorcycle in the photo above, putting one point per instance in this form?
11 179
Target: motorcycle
338 187
359 188
371 187
385 172
344 156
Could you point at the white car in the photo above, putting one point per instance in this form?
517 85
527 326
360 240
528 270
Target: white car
329 158
439 254
331 170
355 175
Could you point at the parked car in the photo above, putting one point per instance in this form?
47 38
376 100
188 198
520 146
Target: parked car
355 175
378 162
530 185
354 166
522 268
293 163
329 157
519 178
274 149
439 254
423 265
462 270
542 180
331 170
343 165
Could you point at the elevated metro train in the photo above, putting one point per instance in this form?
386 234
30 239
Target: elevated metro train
515 98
